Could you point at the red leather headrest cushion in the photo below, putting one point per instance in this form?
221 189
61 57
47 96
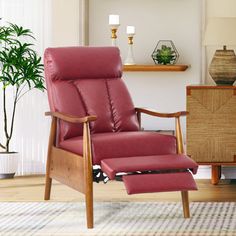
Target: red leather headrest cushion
69 63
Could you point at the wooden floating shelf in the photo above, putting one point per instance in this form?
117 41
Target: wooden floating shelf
155 67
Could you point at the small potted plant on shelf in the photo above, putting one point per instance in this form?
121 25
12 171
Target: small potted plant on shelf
20 71
165 53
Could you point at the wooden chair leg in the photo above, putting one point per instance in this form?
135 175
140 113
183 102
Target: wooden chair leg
48 185
89 210
185 203
52 138
48 180
88 170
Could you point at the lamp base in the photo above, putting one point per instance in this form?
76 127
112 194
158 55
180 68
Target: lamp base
225 82
223 67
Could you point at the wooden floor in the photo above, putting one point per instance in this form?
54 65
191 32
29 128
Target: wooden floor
32 189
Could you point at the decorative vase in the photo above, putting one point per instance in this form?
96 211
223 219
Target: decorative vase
8 164
223 67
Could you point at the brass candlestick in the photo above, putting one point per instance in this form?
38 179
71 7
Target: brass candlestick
114 29
130 39
113 33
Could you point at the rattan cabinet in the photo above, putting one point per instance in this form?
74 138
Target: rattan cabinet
211 126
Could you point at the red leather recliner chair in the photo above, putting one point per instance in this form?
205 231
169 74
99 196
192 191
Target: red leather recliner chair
94 122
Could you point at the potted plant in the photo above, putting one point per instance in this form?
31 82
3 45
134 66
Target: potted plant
20 71
165 53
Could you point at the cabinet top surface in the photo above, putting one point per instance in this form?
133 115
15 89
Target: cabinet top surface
205 86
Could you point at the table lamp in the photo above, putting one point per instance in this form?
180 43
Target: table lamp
221 31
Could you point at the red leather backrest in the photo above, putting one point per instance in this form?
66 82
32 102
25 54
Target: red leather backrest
87 81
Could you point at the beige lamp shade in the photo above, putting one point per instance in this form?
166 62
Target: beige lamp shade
221 8
220 31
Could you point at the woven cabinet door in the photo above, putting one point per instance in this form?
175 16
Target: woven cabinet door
211 123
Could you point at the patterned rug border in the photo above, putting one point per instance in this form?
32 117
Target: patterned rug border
117 218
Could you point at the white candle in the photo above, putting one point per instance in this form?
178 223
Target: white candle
130 29
114 20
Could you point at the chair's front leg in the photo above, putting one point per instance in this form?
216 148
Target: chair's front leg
180 150
185 204
52 139
88 170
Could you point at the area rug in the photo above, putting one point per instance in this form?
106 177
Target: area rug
117 218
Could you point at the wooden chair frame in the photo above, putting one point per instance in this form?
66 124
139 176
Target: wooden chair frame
77 171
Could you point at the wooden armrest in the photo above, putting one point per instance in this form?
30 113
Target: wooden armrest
70 118
158 114
176 115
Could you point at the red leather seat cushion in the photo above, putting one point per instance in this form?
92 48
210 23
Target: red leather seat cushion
144 163
165 182
123 144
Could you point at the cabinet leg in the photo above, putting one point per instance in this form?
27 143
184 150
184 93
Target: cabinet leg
215 174
219 169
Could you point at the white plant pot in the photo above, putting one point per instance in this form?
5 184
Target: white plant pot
8 164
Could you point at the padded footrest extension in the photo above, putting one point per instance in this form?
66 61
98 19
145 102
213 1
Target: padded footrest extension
164 182
147 163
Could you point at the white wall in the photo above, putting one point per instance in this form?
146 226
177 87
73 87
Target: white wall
65 22
154 20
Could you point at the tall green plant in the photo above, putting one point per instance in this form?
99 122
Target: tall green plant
20 68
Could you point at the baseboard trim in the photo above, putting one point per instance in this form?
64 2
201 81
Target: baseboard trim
204 172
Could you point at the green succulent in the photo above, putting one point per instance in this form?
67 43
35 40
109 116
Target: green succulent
164 55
